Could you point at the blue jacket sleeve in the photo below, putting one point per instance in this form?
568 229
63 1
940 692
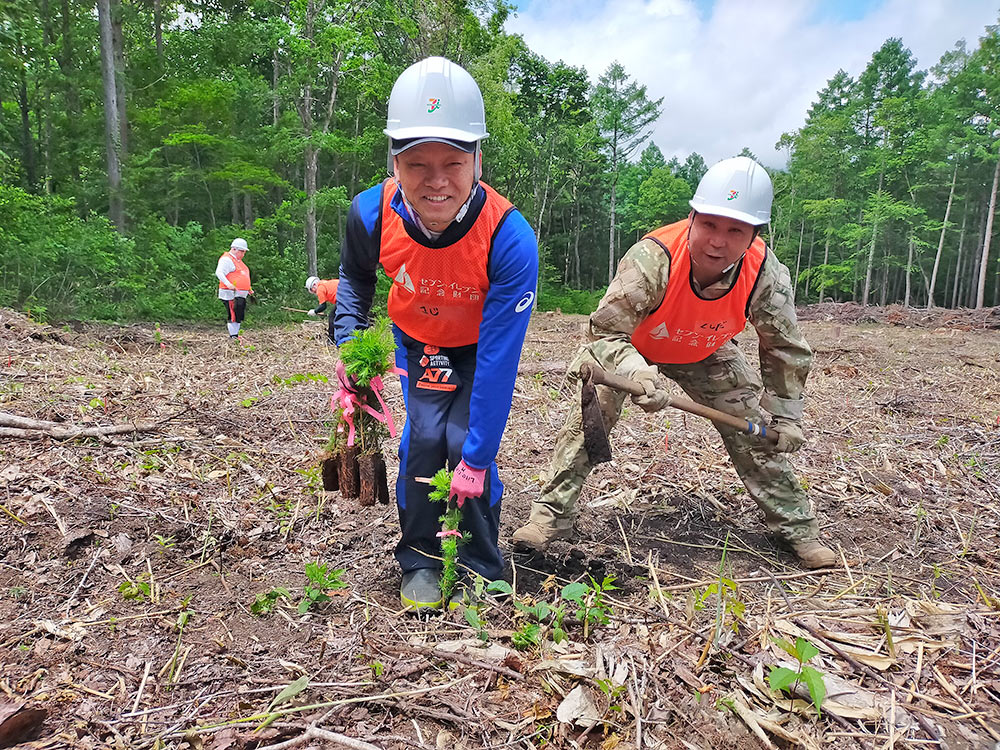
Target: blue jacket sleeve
513 273
358 264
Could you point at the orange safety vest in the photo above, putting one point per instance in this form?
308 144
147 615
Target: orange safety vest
326 291
685 328
438 293
239 277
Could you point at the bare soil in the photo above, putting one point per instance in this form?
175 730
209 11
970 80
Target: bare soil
129 563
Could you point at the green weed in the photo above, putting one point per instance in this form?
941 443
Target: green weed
592 608
785 679
320 580
265 603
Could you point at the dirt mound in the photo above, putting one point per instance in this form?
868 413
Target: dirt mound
15 326
962 319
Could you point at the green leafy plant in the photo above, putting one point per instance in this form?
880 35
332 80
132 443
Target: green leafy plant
728 601
450 519
165 542
182 620
299 378
592 608
542 617
265 603
367 355
474 616
527 636
320 580
613 691
785 679
17 592
136 590
369 352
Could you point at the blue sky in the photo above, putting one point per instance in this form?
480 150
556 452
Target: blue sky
736 73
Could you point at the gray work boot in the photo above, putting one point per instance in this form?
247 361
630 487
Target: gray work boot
534 536
813 555
421 590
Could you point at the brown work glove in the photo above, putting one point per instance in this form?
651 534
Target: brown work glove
655 398
790 437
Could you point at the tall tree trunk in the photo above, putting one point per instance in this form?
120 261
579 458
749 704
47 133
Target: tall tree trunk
312 156
972 277
576 237
234 206
984 259
909 265
940 247
884 291
248 218
809 262
275 100
27 141
871 249
72 97
112 131
996 284
958 259
45 105
826 260
158 30
798 258
611 231
118 50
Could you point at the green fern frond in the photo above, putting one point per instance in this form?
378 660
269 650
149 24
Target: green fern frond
369 352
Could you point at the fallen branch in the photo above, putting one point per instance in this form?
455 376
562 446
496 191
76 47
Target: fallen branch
315 733
12 425
459 657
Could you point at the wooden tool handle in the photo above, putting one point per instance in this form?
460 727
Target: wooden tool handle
626 385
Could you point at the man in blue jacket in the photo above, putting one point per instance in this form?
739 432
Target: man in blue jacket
464 263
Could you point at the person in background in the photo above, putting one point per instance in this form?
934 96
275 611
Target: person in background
680 295
463 263
234 285
326 291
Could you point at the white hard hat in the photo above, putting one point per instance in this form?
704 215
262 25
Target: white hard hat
738 188
311 282
436 100
238 244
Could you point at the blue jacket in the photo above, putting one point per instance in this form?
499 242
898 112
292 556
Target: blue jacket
513 274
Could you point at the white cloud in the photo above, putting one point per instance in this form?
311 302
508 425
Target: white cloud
744 72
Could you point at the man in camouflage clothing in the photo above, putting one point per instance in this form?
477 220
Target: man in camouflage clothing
680 295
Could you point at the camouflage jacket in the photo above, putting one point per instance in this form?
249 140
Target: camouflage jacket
639 285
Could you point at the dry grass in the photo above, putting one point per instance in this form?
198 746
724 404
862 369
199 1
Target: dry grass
106 542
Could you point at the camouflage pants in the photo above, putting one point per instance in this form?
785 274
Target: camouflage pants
724 381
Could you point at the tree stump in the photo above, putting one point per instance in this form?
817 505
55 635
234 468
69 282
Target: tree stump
374 484
331 473
349 480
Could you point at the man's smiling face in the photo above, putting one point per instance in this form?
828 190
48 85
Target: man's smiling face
716 242
436 179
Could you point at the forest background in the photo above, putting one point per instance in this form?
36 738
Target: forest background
138 138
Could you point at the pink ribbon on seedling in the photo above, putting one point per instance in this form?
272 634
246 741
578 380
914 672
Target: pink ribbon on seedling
349 401
449 532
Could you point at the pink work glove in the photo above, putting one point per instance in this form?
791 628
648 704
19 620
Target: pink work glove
345 381
466 482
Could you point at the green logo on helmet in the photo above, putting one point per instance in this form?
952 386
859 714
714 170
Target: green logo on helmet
733 195
433 104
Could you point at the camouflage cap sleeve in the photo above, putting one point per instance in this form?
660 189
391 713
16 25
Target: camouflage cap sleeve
785 356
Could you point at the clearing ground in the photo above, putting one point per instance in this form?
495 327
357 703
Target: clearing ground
129 562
